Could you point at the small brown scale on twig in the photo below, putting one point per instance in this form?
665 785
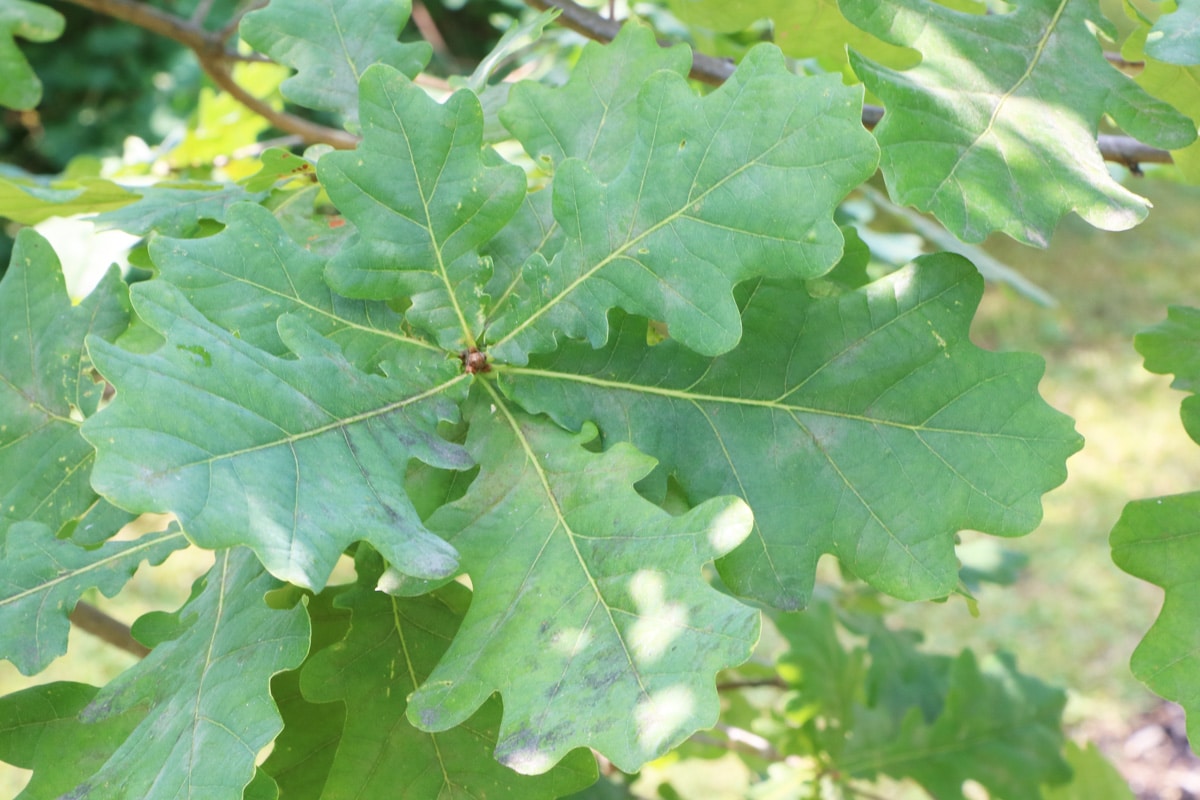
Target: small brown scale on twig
474 361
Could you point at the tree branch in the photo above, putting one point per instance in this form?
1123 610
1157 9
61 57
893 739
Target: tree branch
88 618
214 59
1120 149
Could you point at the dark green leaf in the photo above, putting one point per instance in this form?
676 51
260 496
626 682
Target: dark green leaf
392 647
866 426
295 458
205 693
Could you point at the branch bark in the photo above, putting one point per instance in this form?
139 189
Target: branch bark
714 71
215 60
91 619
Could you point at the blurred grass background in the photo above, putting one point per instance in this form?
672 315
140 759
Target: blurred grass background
1073 618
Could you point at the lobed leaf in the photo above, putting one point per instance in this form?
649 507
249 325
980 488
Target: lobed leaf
586 597
738 184
42 578
296 459
1175 36
866 426
40 724
252 273
424 197
28 200
204 693
19 86
1158 539
331 44
987 134
392 646
46 385
175 210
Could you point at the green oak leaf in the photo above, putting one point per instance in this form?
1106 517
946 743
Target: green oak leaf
252 273
303 753
46 384
42 577
993 724
594 115
39 725
175 210
716 190
19 85
1010 147
864 425
278 165
331 44
296 459
424 196
392 646
1175 36
1158 539
208 710
586 596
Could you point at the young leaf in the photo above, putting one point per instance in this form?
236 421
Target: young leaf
586 597
19 86
424 197
205 691
249 275
331 45
30 200
738 184
41 579
987 135
1158 539
865 425
392 647
46 385
294 458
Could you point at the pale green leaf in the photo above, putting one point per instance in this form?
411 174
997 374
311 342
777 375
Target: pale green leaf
249 275
717 189
1178 85
424 197
1175 37
801 28
32 200
1158 539
295 458
331 44
586 597
866 426
34 22
1094 777
392 646
996 129
46 385
278 165
205 692
42 577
